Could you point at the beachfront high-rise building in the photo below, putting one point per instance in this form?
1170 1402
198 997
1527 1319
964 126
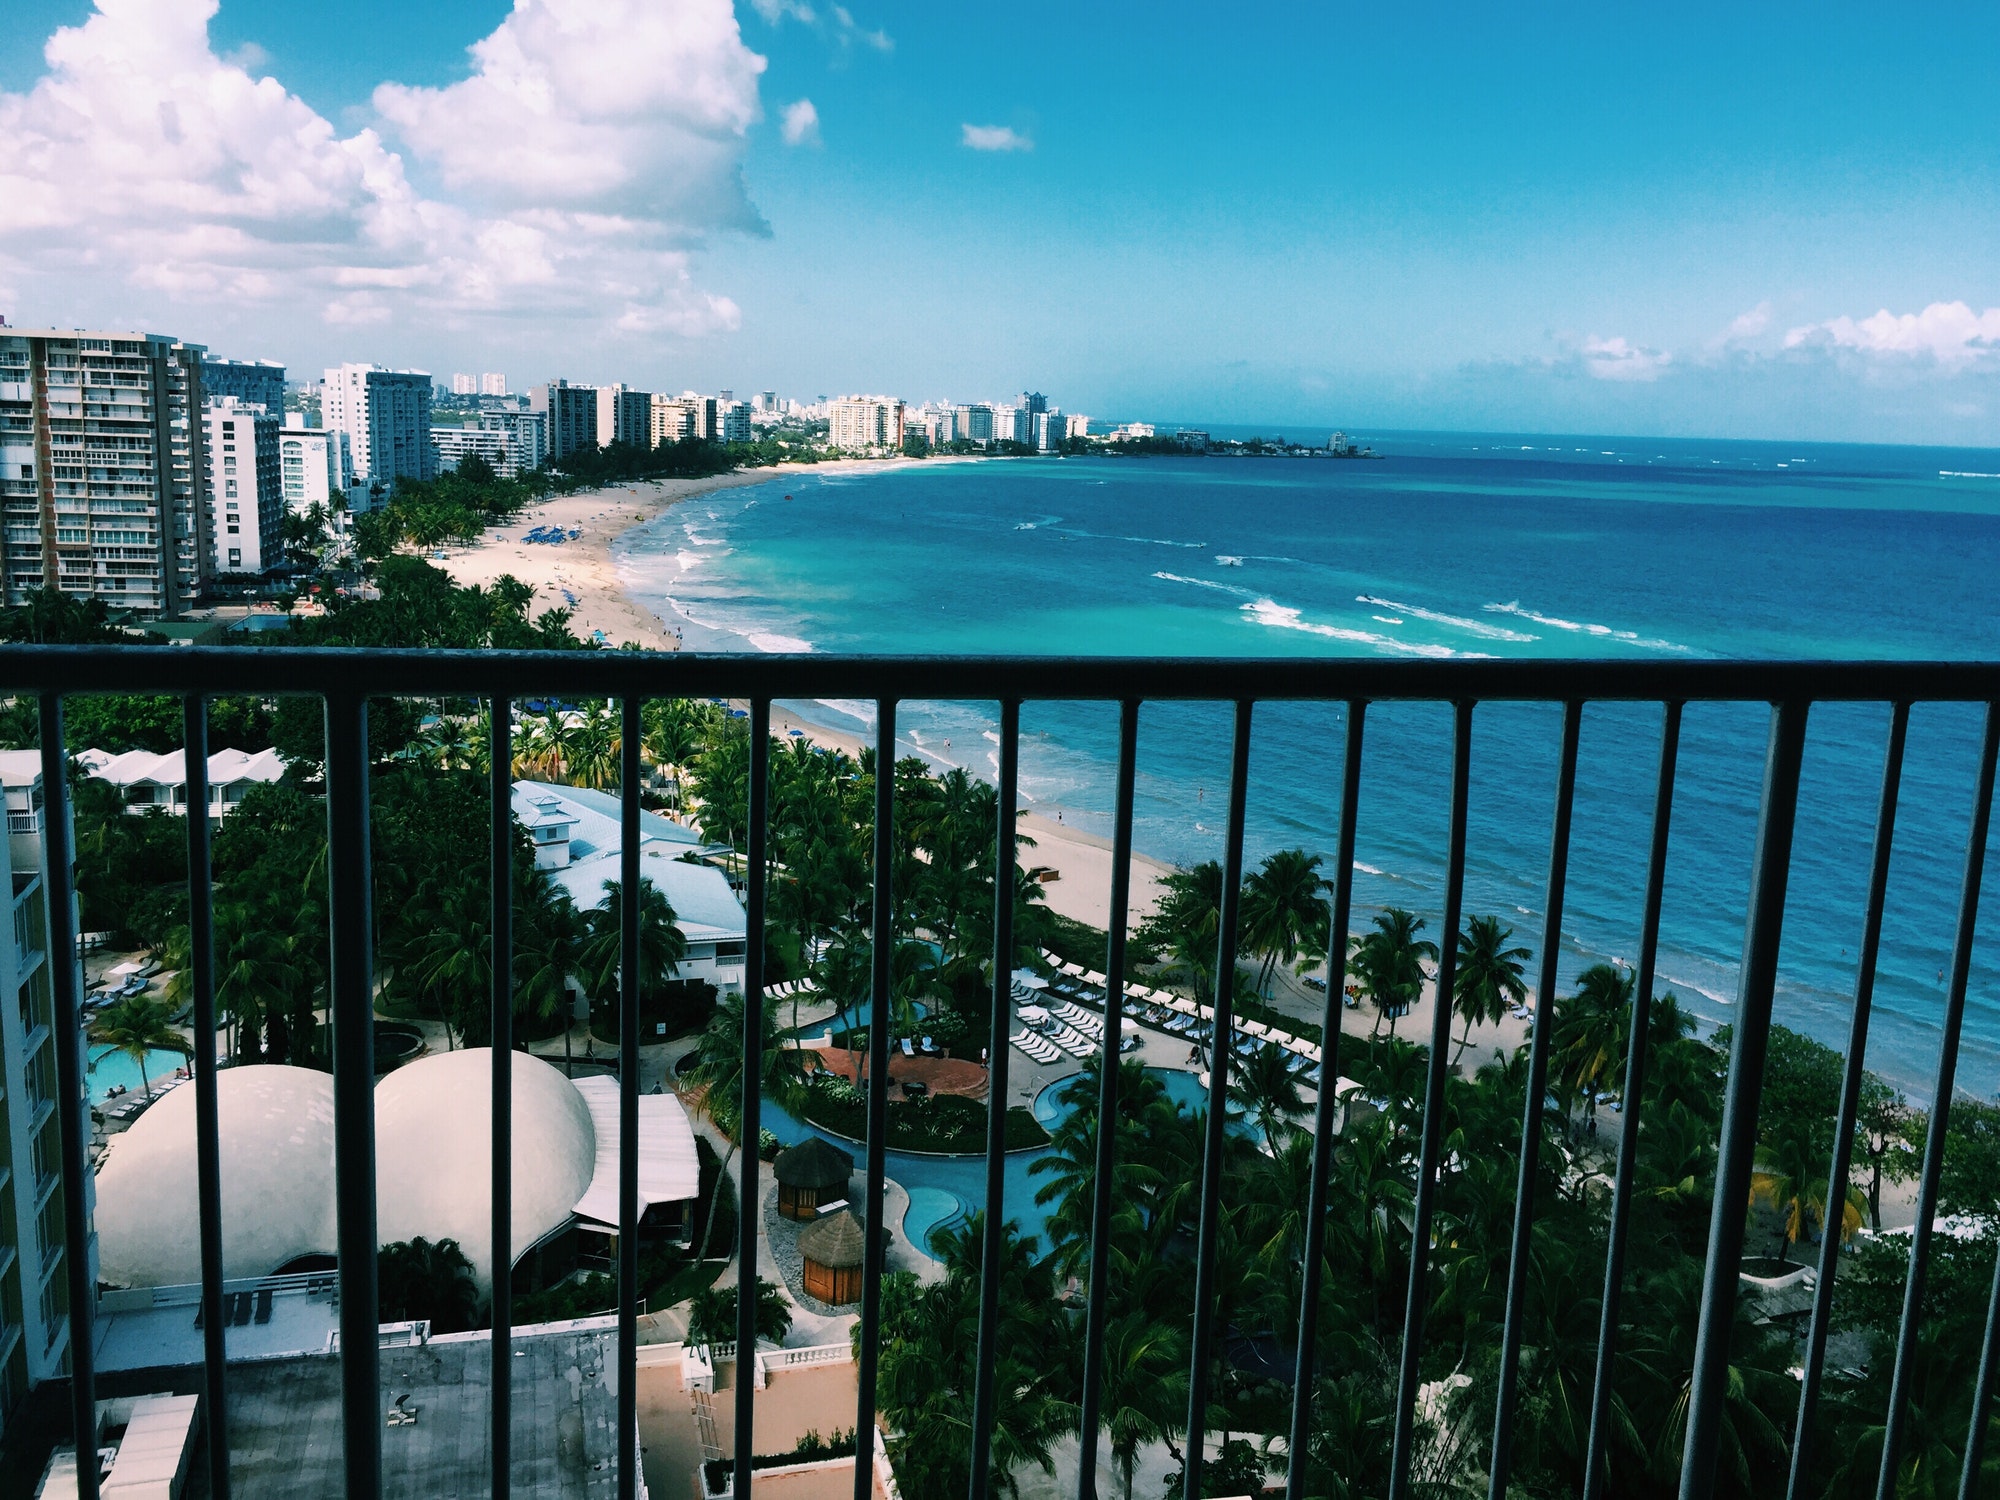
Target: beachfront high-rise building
103 468
1013 424
569 415
1048 431
259 382
386 415
492 383
312 464
672 420
733 421
705 416
456 444
975 423
1076 425
527 434
464 385
623 416
246 488
34 1274
1034 403
862 423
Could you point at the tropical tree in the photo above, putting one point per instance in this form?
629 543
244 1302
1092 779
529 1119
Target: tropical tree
1284 910
716 1068
1144 1395
135 1026
1267 1091
1592 1034
712 1314
420 1279
1389 964
1792 1177
1488 980
662 945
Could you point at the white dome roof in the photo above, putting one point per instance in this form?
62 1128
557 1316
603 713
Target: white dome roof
276 1154
434 1152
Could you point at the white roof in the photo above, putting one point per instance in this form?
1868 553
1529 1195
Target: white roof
20 767
225 767
668 1168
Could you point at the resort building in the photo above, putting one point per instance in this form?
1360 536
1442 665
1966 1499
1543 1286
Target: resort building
1048 432
623 416
255 382
975 424
386 415
433 1154
833 1248
149 781
733 419
314 465
246 488
527 435
863 423
813 1175
1076 425
569 416
456 444
103 468
34 1287
577 837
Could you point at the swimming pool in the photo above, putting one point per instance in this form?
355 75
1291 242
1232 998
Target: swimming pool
931 1209
1183 1088
110 1068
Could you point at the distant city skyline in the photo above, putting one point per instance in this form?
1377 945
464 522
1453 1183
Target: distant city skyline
1774 226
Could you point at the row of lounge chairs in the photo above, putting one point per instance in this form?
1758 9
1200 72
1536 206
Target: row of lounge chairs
1037 1046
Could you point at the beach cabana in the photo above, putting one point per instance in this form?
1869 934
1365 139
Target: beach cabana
833 1250
809 1174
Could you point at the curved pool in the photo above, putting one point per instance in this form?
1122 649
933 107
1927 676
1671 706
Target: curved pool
931 1209
109 1068
1182 1087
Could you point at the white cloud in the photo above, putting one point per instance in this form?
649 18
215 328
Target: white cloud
1949 333
1748 325
775 11
595 143
800 125
851 30
995 138
1615 359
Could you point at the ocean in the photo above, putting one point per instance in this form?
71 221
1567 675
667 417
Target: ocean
1450 545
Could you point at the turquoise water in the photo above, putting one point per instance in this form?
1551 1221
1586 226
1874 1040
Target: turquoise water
931 1208
110 1069
1183 1088
1627 550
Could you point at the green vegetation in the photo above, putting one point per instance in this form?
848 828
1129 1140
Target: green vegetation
712 1314
811 1449
944 1122
135 1026
418 1280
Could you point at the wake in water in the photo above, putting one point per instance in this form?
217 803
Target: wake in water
1605 632
1456 622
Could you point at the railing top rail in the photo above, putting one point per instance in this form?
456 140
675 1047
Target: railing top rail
280 670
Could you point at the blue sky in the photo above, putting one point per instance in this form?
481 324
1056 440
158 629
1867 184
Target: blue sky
1555 218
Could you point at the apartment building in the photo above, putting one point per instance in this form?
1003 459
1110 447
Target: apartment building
246 489
34 1285
492 383
386 415
527 435
623 416
673 420
569 416
456 444
256 382
103 467
733 421
863 422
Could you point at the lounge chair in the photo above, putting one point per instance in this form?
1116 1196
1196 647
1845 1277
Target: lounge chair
263 1305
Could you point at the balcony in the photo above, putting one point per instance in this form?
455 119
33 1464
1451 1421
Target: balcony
386 1420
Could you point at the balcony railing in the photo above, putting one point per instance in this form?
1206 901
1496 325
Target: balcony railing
346 680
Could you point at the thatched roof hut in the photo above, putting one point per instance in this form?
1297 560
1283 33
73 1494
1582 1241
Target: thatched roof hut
812 1173
834 1248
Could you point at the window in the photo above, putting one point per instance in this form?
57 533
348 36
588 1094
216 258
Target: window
231 486
235 555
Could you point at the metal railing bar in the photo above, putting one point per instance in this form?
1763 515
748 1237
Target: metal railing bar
352 1013
207 1123
60 873
1097 1307
1850 1099
881 976
1325 1108
1982 1396
1762 929
1940 1121
750 1210
1402 1451
1598 1459
501 790
279 670
1221 1035
631 913
1532 1110
1007 796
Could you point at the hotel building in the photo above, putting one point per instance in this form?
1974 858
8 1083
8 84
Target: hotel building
862 422
386 415
569 415
623 416
246 488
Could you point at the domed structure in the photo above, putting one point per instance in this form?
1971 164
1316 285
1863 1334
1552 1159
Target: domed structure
434 1153
276 1154
833 1250
809 1174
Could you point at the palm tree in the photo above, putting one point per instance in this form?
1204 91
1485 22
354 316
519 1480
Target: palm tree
136 1026
1268 1091
417 1279
712 1314
594 742
1144 1395
717 1069
1283 910
662 945
1792 1176
1595 1025
1389 963
1488 981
